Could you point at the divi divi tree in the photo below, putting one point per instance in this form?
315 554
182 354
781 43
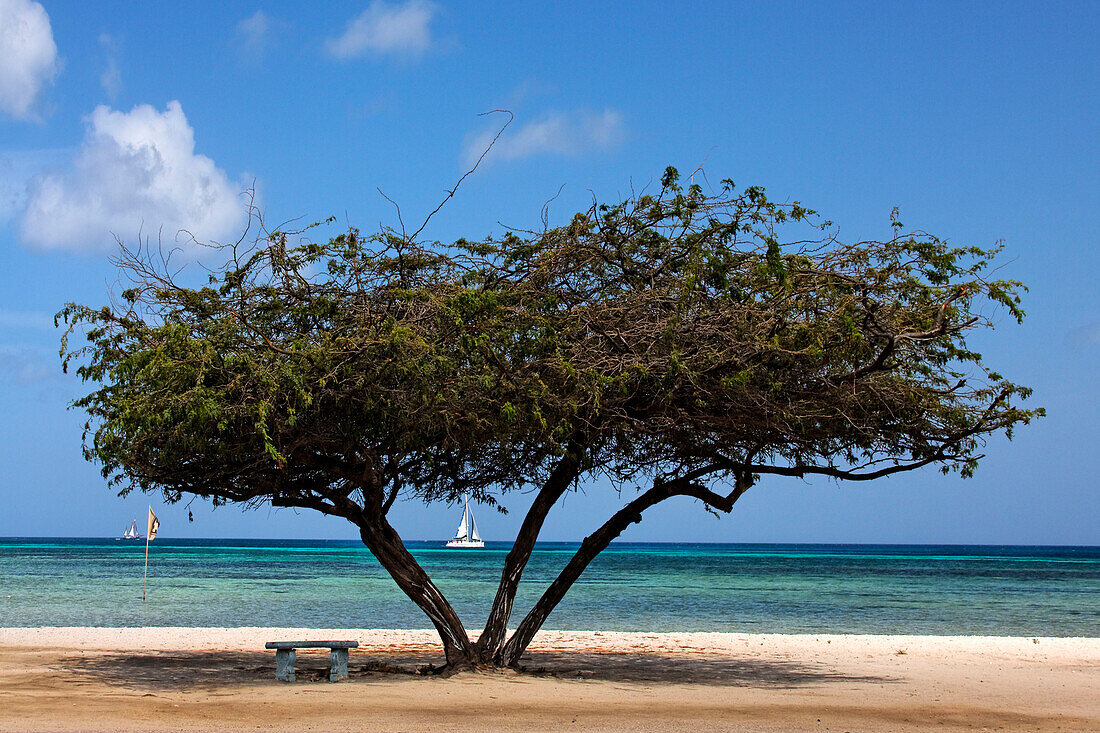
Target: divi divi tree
679 343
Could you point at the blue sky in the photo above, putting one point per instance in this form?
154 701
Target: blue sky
980 121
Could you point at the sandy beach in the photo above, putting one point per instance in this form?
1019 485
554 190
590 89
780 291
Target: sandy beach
203 679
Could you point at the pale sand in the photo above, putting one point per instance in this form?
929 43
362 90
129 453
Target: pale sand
157 679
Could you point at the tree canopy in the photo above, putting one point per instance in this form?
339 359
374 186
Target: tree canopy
678 343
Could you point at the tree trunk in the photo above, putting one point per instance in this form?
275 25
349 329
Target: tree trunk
491 641
592 546
386 546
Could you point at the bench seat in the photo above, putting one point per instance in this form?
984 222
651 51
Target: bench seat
285 657
311 645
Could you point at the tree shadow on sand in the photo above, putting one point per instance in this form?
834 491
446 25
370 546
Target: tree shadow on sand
224 671
662 668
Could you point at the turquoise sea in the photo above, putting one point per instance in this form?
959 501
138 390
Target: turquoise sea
876 589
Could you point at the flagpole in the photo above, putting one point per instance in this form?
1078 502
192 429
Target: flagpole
146 573
151 525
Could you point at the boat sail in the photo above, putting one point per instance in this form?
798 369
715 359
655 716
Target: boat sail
131 533
467 535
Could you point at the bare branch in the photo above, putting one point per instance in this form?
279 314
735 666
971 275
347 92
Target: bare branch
451 193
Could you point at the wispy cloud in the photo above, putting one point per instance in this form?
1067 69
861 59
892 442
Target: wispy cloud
17 168
11 319
26 365
526 91
111 78
555 133
401 29
1084 337
28 56
136 169
256 34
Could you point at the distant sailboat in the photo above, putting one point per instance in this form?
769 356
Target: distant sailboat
131 533
467 535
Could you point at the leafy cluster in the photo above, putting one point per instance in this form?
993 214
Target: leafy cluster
666 333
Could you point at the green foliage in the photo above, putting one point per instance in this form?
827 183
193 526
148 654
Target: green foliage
663 333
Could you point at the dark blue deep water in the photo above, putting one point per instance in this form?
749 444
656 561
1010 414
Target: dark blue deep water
875 589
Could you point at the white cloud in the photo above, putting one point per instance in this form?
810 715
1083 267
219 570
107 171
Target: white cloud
28 56
136 170
383 28
254 28
111 78
256 33
19 166
556 133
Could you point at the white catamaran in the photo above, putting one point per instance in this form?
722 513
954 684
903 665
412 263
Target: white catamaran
467 535
131 532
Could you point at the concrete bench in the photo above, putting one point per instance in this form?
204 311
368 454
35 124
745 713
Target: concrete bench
285 656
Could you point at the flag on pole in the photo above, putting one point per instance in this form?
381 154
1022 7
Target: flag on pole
154 525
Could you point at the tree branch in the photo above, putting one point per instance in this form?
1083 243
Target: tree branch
563 475
595 543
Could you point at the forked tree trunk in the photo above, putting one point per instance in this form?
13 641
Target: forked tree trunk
598 541
386 546
491 642
592 546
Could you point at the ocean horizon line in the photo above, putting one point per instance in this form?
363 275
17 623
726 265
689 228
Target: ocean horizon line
161 539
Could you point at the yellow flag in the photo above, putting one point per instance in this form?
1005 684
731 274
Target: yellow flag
154 525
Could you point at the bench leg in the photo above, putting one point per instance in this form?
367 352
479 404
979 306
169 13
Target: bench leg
338 665
284 664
